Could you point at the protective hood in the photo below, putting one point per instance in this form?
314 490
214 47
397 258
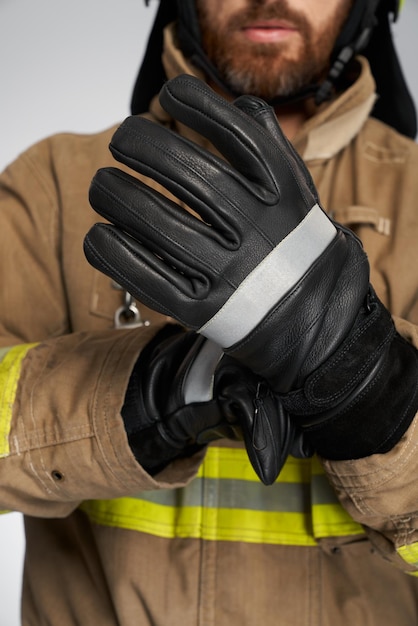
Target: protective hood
366 31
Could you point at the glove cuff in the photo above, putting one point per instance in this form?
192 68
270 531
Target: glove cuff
146 398
362 400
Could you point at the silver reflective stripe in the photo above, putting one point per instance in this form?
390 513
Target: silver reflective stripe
198 386
236 494
271 280
293 497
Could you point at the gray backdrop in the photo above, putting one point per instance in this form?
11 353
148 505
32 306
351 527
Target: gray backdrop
70 66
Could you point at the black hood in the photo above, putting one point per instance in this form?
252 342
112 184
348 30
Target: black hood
366 31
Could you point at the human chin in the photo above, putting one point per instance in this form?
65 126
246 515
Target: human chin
268 79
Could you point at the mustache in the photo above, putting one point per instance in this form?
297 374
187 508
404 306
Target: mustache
279 10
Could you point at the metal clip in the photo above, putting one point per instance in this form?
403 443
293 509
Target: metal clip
128 315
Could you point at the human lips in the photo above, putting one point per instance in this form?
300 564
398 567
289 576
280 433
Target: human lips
268 31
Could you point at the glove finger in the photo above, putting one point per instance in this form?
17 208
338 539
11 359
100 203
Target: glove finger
259 151
198 178
266 428
161 225
174 291
268 435
244 144
264 115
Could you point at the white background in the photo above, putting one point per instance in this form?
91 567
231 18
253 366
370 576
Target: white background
70 66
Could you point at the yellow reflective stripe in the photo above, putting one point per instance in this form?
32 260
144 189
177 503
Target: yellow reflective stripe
409 554
233 463
10 365
329 518
201 523
227 502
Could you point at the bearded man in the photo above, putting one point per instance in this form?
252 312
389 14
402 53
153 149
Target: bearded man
253 320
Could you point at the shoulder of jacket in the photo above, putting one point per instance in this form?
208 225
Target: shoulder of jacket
78 146
387 140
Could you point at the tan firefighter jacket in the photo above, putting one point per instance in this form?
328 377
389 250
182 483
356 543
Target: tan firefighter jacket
204 543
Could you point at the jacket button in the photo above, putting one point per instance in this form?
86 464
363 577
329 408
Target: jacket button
56 475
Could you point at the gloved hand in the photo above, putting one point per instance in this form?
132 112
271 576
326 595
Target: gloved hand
265 273
184 392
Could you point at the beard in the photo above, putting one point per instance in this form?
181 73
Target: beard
270 70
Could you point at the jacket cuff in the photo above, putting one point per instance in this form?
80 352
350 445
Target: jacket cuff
68 441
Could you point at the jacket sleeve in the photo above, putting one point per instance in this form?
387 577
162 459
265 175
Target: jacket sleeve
62 438
381 492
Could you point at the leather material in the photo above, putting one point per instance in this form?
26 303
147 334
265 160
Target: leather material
264 264
162 426
250 204
362 399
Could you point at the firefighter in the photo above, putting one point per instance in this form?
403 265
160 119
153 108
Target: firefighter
211 419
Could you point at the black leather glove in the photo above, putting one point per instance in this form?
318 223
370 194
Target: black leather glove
184 393
265 273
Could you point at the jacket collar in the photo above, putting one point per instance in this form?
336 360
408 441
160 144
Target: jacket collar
334 126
